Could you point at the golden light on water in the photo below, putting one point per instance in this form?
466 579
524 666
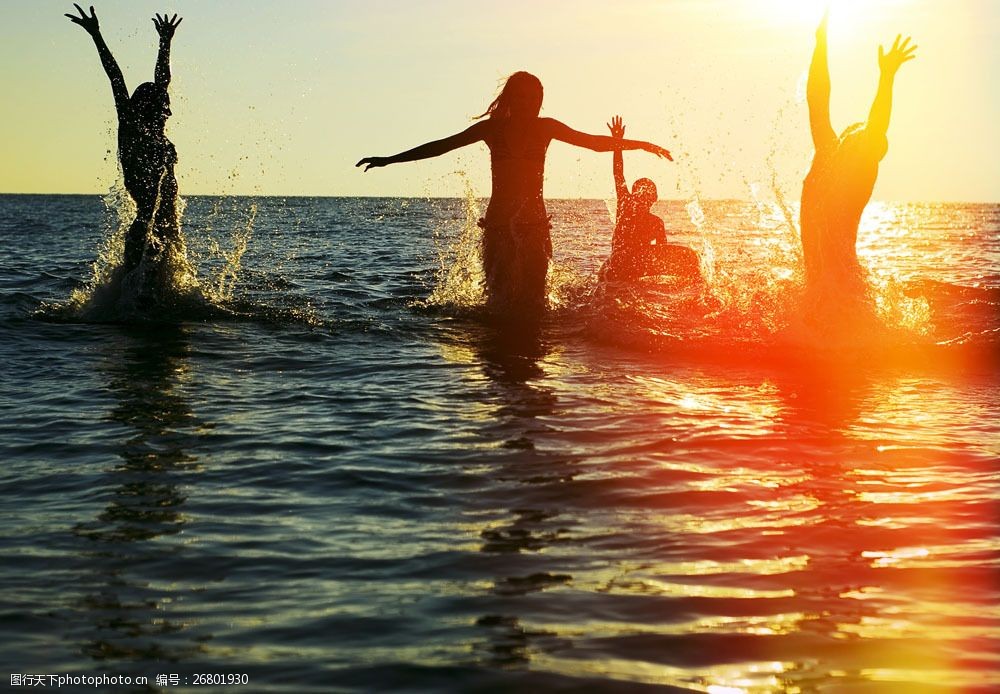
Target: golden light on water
893 556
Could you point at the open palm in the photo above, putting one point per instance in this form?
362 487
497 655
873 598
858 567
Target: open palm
899 53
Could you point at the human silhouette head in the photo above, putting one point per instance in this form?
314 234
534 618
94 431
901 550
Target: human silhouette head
521 96
644 192
151 103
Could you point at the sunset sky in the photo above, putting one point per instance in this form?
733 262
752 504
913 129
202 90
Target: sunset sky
282 98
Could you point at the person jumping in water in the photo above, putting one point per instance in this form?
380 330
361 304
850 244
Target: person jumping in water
840 182
147 157
639 245
516 243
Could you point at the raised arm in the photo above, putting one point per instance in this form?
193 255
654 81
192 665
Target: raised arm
889 63
165 28
617 164
818 92
107 60
600 143
474 133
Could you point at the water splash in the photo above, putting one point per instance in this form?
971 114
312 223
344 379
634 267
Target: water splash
706 258
119 210
567 289
222 285
755 295
897 309
459 281
754 291
166 284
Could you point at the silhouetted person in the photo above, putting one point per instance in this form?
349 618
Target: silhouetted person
840 181
516 243
147 157
639 245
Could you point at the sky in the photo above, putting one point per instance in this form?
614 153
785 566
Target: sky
282 98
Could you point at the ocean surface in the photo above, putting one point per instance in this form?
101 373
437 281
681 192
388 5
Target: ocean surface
336 475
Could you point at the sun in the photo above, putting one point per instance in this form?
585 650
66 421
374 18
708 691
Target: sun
801 13
791 12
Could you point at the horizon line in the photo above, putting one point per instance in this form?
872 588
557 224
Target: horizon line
454 197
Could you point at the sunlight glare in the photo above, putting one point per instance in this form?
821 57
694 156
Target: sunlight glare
796 12
807 13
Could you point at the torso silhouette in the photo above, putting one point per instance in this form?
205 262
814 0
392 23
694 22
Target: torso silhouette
147 159
517 156
632 249
834 194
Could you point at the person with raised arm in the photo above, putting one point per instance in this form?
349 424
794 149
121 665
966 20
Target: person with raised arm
639 245
147 157
843 172
516 245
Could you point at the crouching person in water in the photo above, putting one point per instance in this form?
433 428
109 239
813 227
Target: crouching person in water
639 246
147 157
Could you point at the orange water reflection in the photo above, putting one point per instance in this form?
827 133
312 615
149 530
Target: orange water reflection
817 526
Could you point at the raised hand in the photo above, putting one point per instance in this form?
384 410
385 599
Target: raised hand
373 162
89 23
165 27
616 127
658 151
899 53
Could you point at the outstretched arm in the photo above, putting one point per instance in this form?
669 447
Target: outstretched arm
474 133
107 60
618 164
601 143
889 63
818 92
165 28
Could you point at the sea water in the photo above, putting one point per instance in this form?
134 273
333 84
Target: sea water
335 475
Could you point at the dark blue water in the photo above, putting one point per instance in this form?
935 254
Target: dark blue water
340 485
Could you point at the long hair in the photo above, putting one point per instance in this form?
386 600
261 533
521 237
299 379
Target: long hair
521 89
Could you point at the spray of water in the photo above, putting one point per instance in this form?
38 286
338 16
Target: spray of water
220 287
459 278
166 285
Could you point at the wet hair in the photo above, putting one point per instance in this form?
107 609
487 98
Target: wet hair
857 139
149 101
521 89
852 130
644 190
